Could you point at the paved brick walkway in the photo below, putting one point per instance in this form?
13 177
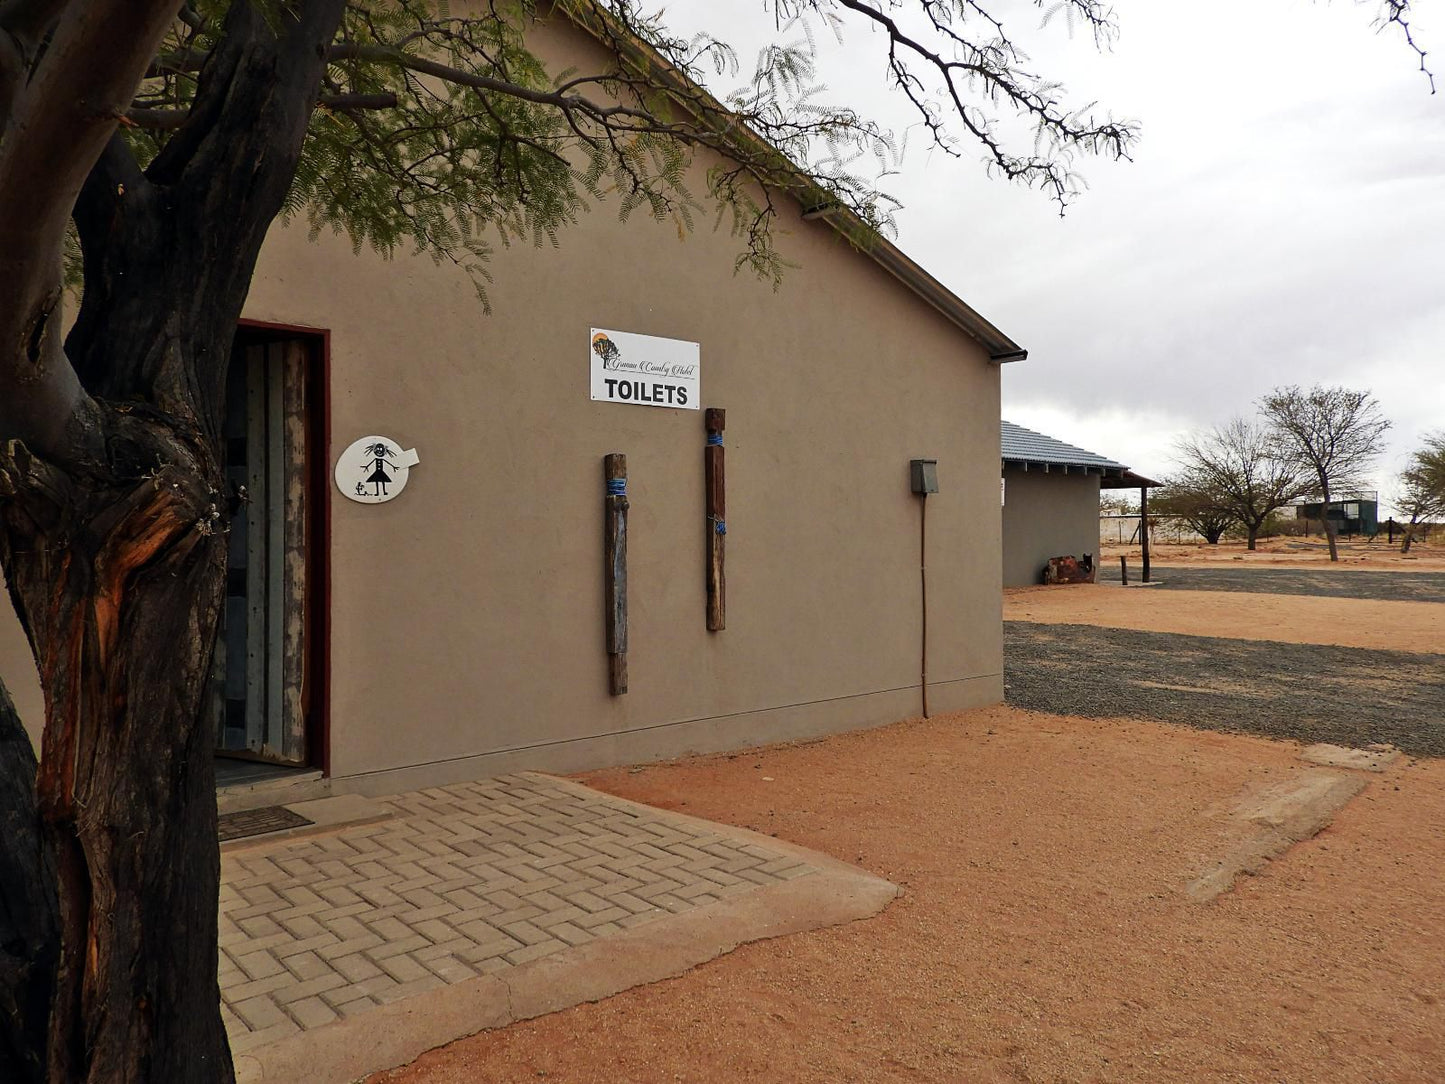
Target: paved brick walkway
462 881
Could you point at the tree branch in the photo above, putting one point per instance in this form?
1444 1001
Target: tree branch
171 119
28 21
24 25
78 86
224 175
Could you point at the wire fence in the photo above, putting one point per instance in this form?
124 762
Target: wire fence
1123 530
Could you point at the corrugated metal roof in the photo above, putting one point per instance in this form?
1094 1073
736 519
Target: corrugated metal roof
1022 445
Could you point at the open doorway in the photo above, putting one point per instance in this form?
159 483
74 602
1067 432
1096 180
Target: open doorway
269 659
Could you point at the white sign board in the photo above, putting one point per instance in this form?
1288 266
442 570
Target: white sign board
644 370
374 470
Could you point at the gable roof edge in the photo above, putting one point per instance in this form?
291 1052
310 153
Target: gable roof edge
816 202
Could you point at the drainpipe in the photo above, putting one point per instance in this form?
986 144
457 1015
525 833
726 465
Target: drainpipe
923 480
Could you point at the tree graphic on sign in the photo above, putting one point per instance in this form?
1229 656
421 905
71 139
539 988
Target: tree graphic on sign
607 350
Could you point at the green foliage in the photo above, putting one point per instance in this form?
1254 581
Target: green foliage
1117 503
448 163
1195 500
443 133
1422 482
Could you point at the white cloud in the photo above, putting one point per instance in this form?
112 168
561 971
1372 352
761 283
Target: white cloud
1282 222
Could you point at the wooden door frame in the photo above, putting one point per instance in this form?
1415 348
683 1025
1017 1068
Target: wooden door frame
318 516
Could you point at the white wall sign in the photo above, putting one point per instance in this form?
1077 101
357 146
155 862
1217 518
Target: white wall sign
644 370
374 470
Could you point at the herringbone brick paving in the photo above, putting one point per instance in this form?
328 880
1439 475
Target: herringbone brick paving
462 881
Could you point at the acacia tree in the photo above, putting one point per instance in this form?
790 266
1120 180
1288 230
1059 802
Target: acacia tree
1335 433
165 139
1244 472
1422 486
1189 498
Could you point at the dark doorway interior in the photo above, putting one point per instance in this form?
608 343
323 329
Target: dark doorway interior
267 672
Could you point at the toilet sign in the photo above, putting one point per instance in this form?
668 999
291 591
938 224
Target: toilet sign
374 470
644 370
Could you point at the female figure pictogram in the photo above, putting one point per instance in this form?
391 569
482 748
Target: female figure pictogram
378 477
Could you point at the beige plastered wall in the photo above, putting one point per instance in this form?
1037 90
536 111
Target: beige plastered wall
1046 515
466 616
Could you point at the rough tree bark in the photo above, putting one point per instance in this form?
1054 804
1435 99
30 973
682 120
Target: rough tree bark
112 540
29 926
118 581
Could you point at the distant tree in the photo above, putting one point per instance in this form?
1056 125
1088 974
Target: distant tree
1422 486
1335 433
1189 498
1114 503
1241 471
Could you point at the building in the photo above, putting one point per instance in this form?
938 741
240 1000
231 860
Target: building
1051 501
1356 514
459 629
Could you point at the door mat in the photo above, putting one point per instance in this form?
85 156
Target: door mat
257 822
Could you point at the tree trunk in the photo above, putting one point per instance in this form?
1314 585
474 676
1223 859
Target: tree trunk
1409 535
117 575
1325 516
1251 534
114 548
29 927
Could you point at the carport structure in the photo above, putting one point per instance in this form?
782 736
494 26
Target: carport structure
1051 501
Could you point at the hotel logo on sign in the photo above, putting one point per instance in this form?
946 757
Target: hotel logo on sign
644 370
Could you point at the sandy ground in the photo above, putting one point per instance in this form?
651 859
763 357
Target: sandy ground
1296 619
1043 933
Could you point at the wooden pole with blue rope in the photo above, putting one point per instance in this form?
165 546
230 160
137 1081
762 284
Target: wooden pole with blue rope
714 482
614 541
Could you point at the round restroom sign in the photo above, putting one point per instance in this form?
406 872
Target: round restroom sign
374 470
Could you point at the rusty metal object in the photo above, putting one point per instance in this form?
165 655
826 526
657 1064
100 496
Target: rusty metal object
1070 569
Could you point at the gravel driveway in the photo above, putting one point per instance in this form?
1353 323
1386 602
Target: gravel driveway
1307 692
1364 583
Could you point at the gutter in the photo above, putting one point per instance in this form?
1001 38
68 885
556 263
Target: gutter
891 258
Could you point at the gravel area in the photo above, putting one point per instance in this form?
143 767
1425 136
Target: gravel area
1331 583
1305 692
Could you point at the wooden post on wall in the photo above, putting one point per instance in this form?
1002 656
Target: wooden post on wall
715 484
614 469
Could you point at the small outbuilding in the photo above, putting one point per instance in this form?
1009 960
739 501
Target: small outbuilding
1051 500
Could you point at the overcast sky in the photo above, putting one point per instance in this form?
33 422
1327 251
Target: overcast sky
1283 220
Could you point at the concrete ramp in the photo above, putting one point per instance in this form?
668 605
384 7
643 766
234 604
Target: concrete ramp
472 906
1271 822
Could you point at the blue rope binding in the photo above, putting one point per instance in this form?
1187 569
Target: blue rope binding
719 524
617 487
715 439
